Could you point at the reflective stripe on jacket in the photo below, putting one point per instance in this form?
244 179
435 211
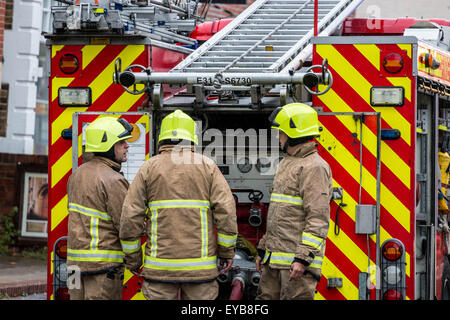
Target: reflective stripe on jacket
298 216
180 198
96 191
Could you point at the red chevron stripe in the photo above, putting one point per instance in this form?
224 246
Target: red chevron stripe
358 104
389 179
93 69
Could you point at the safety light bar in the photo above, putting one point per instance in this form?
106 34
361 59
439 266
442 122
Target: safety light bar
387 96
74 97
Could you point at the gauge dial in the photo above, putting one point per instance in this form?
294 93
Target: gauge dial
244 165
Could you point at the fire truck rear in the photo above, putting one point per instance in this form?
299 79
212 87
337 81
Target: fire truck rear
382 97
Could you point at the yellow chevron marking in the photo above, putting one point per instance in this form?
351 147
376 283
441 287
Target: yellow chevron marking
126 99
404 82
318 296
61 166
349 248
369 183
104 79
348 72
396 164
371 52
138 296
57 83
98 86
59 212
407 47
55 49
350 211
348 290
90 52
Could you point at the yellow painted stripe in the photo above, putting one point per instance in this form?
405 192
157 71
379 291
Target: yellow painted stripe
348 290
387 155
138 296
407 47
55 49
61 167
126 100
349 73
369 183
318 296
350 211
59 212
104 79
98 86
404 82
57 83
90 52
371 52
349 248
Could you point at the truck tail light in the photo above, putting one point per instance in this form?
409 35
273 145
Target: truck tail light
393 63
60 289
61 249
392 267
392 295
69 63
392 251
62 294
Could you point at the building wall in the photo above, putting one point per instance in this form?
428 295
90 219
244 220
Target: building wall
21 72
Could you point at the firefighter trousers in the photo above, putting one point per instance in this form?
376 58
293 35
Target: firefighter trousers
275 285
103 286
153 290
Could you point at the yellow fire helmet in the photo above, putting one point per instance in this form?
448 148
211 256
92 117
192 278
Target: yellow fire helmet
297 120
104 132
178 126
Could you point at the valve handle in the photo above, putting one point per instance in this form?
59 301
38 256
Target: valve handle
325 71
128 69
255 195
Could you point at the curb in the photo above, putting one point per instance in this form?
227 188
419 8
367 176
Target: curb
15 289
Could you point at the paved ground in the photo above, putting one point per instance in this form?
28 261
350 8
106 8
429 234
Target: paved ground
22 277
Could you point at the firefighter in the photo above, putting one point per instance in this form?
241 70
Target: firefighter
96 191
183 197
290 253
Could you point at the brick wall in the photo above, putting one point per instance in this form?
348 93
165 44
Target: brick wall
9 178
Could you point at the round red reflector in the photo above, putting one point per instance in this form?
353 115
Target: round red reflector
61 249
69 63
392 295
393 63
392 251
62 294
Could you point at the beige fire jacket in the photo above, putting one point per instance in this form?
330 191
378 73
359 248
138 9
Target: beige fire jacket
183 197
299 211
96 191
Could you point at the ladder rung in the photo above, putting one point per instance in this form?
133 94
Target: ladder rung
305 26
265 43
235 54
231 70
238 37
260 48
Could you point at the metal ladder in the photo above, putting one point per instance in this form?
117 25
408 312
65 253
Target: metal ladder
270 36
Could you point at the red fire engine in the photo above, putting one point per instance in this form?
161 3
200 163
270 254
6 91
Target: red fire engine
381 88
